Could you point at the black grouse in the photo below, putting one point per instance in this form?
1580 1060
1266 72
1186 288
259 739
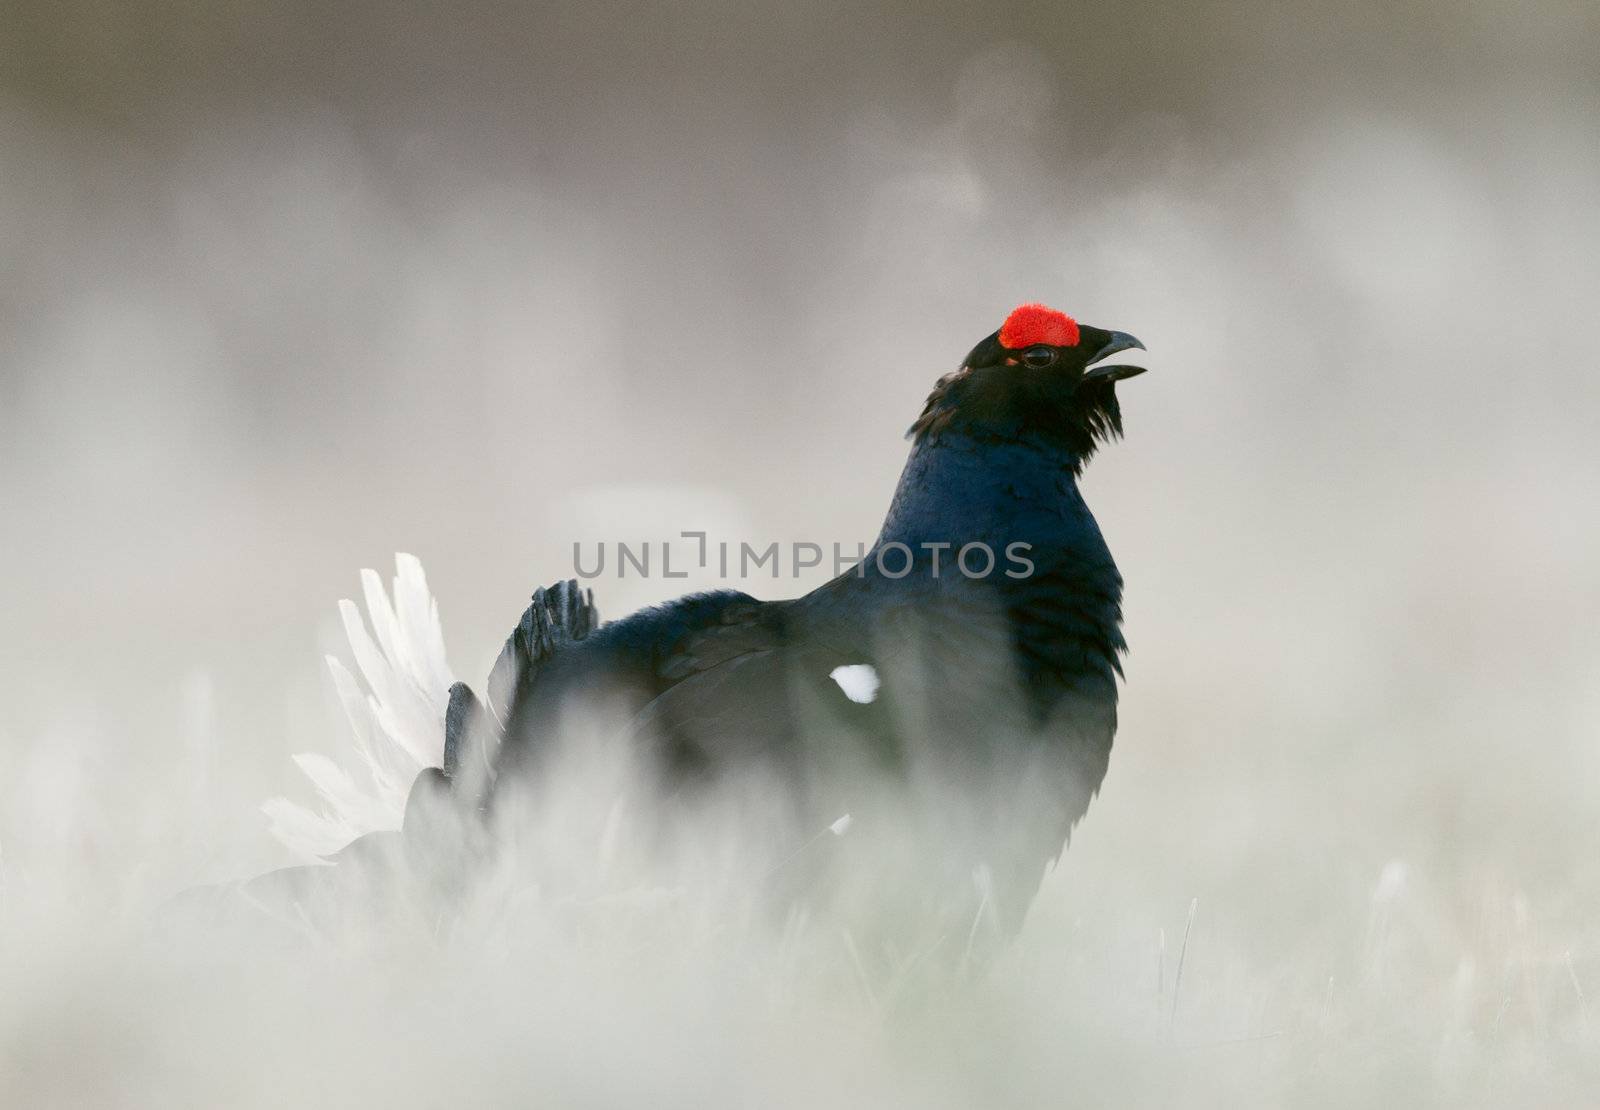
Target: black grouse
988 609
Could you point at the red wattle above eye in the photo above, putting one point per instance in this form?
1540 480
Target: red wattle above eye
1031 324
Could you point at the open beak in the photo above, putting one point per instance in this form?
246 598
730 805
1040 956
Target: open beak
1118 341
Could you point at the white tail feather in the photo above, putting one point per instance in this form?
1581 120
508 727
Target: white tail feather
397 722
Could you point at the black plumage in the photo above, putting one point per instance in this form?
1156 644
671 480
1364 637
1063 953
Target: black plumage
997 709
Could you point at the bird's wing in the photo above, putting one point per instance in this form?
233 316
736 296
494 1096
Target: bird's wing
722 691
741 628
758 685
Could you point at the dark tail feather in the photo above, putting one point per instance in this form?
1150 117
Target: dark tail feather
473 732
471 743
561 614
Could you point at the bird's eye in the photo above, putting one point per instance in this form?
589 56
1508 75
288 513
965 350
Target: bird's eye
1039 357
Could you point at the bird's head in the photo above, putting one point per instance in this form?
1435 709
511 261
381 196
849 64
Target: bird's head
1042 376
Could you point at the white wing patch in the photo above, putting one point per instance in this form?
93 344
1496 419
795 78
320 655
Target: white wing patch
859 681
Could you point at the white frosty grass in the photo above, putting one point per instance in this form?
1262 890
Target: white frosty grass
579 977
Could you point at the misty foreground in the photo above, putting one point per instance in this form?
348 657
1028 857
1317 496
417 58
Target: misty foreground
593 967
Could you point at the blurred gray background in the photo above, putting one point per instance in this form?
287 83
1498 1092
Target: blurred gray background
288 287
